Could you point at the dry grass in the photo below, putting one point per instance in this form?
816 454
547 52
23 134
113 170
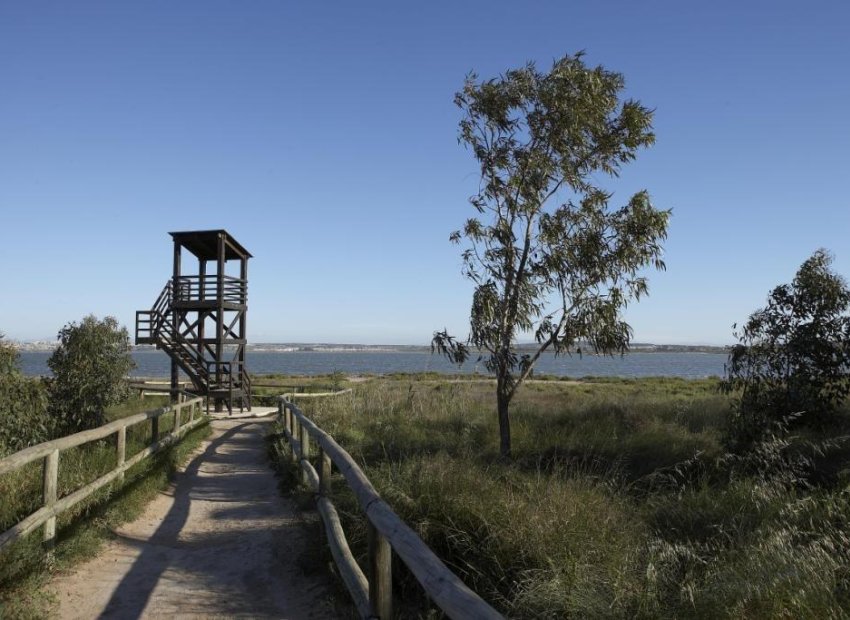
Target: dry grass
605 511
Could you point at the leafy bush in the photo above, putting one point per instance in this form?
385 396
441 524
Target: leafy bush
794 354
23 405
90 369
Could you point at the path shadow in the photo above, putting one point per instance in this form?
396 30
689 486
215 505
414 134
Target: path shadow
214 570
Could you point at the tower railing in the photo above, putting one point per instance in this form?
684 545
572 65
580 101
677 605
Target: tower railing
205 288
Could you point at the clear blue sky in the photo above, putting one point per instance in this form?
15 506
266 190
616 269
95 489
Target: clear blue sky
323 136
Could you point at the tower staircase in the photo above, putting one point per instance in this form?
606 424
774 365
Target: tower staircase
165 327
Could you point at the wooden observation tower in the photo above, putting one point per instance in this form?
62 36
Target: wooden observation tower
199 319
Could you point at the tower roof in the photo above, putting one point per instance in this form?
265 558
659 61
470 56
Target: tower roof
204 244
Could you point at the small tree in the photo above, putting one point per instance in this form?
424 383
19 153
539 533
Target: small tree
793 355
90 367
546 254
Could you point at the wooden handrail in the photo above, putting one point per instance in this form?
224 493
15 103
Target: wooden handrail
373 597
50 452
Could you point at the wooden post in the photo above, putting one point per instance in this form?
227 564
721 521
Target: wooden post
305 452
295 435
178 411
155 429
175 321
380 574
219 318
324 473
122 450
51 482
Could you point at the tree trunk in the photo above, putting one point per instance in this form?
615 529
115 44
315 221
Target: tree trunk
502 403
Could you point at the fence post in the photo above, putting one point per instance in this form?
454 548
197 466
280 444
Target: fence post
325 466
324 473
287 418
295 435
154 429
178 411
304 438
380 573
122 450
51 482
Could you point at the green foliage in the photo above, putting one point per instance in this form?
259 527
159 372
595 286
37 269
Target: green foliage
23 405
547 254
8 357
23 413
90 368
793 355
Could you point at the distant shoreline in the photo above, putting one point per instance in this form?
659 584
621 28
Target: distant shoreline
273 347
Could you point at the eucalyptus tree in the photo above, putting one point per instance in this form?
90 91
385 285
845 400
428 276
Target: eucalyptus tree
547 254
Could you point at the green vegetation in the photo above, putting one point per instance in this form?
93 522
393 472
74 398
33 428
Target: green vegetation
24 566
90 368
547 255
620 500
24 420
793 358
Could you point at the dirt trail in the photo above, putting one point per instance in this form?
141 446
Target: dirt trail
221 541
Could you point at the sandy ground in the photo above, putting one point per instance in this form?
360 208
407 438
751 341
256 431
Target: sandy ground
221 542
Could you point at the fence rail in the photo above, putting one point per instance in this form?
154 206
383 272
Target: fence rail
387 532
49 452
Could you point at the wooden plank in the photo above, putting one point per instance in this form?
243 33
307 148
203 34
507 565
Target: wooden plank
178 412
444 587
21 458
51 483
302 395
309 476
39 451
121 449
325 466
304 437
42 515
296 444
351 573
354 476
380 574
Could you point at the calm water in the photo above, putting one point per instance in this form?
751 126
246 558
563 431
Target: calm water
691 365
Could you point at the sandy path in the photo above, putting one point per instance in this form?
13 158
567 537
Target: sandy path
220 542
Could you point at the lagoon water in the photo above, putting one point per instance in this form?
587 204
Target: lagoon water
151 363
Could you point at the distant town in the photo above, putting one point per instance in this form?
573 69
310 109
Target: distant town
291 347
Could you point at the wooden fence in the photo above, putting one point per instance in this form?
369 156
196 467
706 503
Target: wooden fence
387 532
49 453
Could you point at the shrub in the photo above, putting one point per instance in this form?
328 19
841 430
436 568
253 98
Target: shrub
23 405
90 367
794 354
